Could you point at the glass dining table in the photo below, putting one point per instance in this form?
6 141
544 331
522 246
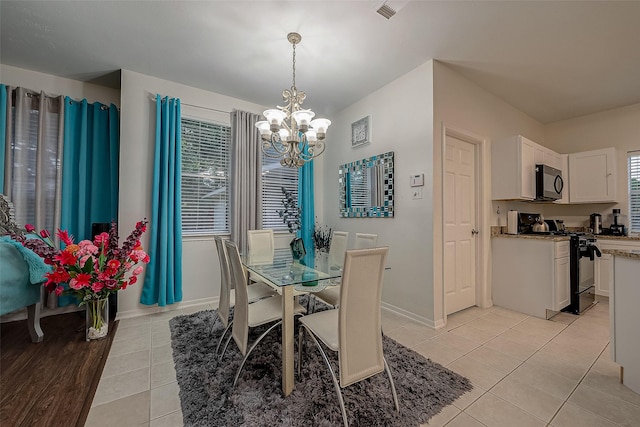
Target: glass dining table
292 278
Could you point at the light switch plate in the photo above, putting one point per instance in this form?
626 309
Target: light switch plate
417 180
416 193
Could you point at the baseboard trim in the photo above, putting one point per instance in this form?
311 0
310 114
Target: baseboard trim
144 310
409 315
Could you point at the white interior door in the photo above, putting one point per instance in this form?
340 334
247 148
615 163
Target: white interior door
460 233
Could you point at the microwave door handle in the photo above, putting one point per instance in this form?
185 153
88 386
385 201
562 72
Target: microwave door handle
555 184
597 251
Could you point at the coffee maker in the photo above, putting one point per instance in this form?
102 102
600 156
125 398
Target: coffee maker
596 223
615 228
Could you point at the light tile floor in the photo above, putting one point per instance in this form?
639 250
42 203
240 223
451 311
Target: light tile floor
525 371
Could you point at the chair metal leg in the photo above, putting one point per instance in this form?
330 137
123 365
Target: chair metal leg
215 320
333 376
226 344
223 335
251 349
393 386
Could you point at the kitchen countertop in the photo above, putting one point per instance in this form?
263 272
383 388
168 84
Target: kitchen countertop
609 237
622 253
534 237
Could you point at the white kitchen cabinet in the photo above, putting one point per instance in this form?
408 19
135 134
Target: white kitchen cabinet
562 288
513 169
531 275
592 176
603 271
603 267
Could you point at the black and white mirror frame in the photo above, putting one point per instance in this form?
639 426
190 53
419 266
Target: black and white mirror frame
366 187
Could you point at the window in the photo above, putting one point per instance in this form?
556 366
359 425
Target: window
634 191
205 177
274 178
34 163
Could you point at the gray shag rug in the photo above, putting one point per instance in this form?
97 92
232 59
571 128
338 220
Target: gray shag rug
208 398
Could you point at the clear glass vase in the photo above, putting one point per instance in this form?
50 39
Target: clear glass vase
97 319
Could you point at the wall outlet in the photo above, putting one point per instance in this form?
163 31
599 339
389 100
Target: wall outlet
416 193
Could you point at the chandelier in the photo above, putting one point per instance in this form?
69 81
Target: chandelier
289 133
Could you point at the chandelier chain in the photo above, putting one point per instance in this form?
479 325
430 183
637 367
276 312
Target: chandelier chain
294 65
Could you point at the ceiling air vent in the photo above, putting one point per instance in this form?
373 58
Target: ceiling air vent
386 11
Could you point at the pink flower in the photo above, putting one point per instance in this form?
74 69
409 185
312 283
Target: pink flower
113 264
97 286
84 260
65 258
59 290
137 271
30 228
44 234
104 276
132 280
101 238
75 284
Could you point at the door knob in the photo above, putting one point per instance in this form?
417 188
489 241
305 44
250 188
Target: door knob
474 231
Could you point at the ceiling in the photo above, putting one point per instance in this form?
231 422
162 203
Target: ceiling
552 60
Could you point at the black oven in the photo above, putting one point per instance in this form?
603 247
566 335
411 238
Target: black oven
583 251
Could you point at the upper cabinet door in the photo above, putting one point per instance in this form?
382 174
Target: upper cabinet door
513 162
592 176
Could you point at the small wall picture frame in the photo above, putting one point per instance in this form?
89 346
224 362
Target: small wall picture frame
361 132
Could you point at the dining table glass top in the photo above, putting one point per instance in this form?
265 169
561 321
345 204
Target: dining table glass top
283 270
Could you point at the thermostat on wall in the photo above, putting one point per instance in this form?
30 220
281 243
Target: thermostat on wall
417 180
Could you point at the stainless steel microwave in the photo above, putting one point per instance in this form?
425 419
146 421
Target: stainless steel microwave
549 183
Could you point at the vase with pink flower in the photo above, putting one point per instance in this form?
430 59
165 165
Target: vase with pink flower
90 270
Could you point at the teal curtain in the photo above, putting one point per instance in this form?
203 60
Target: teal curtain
306 201
90 166
90 169
163 278
3 132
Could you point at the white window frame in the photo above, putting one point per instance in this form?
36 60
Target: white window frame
633 168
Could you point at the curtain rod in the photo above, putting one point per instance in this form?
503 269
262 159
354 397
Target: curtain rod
32 93
153 98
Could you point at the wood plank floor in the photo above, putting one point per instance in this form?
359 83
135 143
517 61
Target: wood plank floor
51 383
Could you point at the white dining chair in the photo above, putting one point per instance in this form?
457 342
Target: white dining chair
261 245
354 329
255 292
247 315
331 294
365 241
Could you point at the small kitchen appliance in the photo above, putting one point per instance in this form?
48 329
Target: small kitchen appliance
617 229
549 183
595 223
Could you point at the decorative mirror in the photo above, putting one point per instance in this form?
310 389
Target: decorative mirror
366 187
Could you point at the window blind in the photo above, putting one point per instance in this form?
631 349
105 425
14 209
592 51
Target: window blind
274 178
205 177
634 191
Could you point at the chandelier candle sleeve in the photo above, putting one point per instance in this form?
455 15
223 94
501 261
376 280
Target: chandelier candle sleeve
291 133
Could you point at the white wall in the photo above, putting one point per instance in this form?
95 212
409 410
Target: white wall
401 119
462 105
619 128
54 85
200 269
